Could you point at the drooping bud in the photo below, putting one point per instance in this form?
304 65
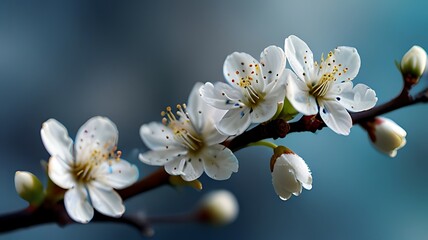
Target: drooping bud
413 64
29 187
386 135
218 207
289 173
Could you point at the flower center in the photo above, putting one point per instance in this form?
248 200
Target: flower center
322 86
252 95
84 170
182 127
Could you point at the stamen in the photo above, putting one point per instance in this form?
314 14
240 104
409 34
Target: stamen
182 127
252 94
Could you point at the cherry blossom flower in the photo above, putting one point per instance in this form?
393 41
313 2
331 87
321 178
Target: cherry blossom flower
326 87
187 143
91 170
253 91
289 173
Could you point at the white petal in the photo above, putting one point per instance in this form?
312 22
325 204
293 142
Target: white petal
266 109
193 168
203 116
219 162
298 94
299 56
162 156
77 205
60 172
273 63
335 117
239 66
346 62
176 166
56 140
118 174
284 180
195 107
358 99
235 122
221 95
301 170
105 200
157 136
98 133
213 136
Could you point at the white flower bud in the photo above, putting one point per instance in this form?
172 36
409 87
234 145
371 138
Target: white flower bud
387 136
29 187
289 173
219 207
413 62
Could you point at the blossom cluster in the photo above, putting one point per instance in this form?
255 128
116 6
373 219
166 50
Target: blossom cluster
190 140
255 91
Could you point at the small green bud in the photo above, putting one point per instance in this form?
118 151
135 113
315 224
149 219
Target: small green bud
29 187
413 64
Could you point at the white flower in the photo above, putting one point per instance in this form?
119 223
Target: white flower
386 135
289 173
326 87
188 144
253 92
414 62
219 207
91 170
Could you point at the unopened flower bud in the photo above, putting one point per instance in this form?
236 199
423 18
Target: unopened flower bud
218 208
29 187
386 135
289 173
413 64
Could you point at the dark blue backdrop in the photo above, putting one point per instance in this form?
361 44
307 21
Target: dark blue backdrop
71 60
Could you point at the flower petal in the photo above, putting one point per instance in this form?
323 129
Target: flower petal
105 200
162 156
235 122
219 162
301 170
241 66
203 116
273 63
56 140
59 172
220 95
117 173
266 109
299 56
284 180
176 166
192 169
157 136
298 94
335 116
344 62
358 99
195 104
98 133
77 205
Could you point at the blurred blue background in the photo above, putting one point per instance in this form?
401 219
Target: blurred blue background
127 60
